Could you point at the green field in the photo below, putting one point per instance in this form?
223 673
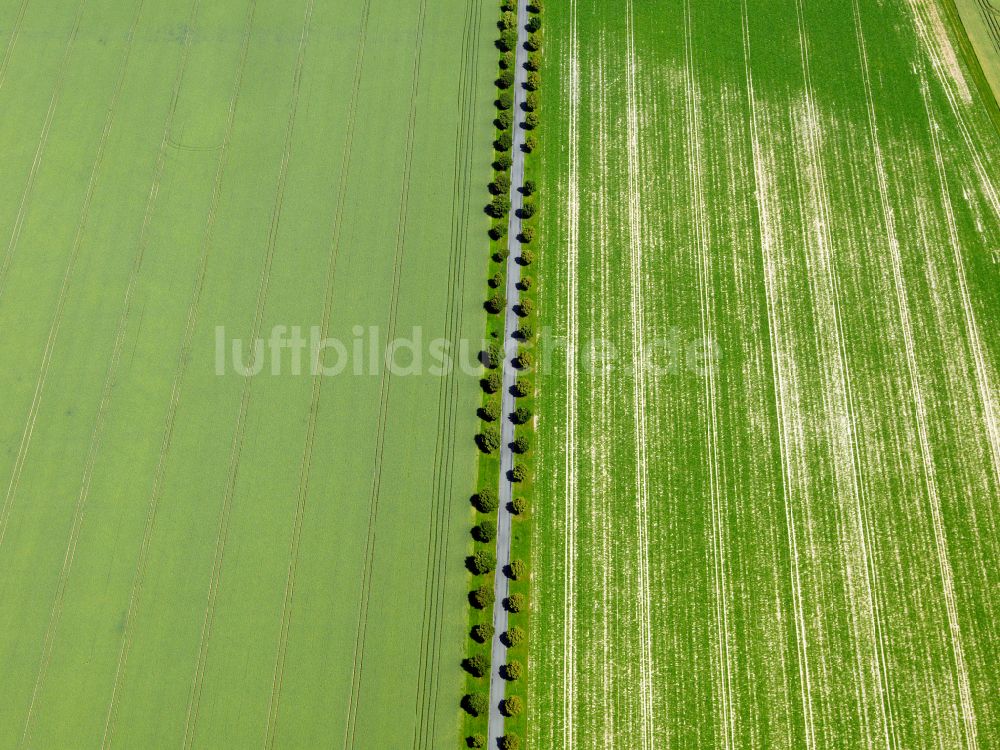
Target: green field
188 559
796 546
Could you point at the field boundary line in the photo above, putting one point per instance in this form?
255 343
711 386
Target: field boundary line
366 577
646 667
701 224
12 42
43 141
306 461
761 185
814 144
916 393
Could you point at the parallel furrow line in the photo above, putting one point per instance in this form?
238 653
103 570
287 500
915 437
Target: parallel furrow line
12 42
646 666
56 325
43 140
843 381
986 390
305 470
178 382
572 330
702 240
434 599
239 432
109 381
920 411
350 737
767 243
76 525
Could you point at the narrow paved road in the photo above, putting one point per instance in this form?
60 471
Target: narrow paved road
499 658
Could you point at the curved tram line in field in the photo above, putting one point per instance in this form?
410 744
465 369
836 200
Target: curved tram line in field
983 384
990 193
183 360
367 575
825 290
12 42
307 452
43 139
15 238
81 504
920 411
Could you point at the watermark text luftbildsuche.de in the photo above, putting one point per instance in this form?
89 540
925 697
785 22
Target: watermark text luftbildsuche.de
293 350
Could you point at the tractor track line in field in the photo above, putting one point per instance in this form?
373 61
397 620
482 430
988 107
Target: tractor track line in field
12 42
56 325
183 359
761 182
53 334
832 417
957 110
986 390
844 383
457 300
425 720
646 667
572 330
336 229
43 141
106 391
920 414
350 736
717 534
239 433
194 699
938 40
603 415
5 265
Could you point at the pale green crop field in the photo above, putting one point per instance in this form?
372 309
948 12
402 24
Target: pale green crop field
798 546
980 20
195 560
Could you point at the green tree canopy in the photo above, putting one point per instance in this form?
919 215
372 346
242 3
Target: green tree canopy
476 704
512 706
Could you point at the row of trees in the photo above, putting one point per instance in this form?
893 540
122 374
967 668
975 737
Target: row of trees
482 563
476 702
